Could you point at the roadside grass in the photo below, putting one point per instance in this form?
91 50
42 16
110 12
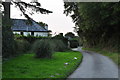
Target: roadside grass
27 66
113 55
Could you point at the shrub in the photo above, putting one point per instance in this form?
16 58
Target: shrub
29 38
7 41
22 46
43 48
74 43
59 45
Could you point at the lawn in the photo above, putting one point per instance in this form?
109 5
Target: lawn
27 66
112 55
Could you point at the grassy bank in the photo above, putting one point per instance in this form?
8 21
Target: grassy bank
26 66
112 55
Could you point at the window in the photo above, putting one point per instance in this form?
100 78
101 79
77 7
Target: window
21 33
32 33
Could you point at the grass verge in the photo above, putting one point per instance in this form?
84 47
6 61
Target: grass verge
26 66
113 55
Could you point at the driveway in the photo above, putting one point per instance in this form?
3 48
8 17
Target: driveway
119 72
0 52
95 66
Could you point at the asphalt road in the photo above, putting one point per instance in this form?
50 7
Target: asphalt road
0 52
95 66
119 72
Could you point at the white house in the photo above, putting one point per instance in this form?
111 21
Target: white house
21 26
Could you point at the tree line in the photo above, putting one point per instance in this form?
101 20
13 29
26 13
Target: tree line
97 24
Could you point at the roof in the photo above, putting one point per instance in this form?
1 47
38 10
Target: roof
22 25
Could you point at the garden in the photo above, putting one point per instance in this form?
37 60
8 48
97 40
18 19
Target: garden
44 57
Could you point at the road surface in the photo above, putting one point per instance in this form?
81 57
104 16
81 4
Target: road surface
119 72
0 41
95 66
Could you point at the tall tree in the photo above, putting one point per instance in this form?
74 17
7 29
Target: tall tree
8 40
98 23
70 34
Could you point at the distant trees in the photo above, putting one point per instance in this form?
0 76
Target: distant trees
59 36
70 34
97 23
42 24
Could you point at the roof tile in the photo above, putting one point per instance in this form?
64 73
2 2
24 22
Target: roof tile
21 25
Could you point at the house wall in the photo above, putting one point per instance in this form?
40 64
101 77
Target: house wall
44 34
27 33
16 32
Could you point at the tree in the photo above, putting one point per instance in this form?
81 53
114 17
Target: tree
70 34
59 36
25 8
8 40
42 24
97 23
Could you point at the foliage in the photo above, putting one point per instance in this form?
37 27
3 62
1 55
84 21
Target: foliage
22 46
112 55
43 49
58 45
73 40
8 39
97 23
8 43
29 8
70 34
74 43
42 24
29 38
61 37
25 66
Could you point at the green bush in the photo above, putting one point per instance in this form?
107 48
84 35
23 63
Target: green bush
8 44
43 48
58 45
29 38
22 46
74 43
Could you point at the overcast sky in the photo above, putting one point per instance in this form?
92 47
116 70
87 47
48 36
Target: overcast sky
57 21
